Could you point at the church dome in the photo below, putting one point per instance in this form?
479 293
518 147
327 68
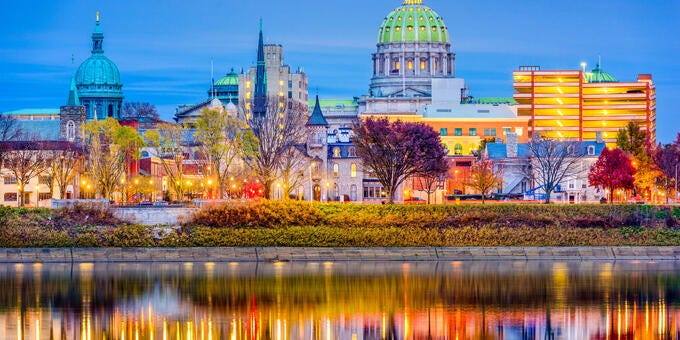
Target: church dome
230 79
98 70
98 74
413 22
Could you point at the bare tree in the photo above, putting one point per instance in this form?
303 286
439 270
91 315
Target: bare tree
554 161
291 170
168 144
110 147
484 178
25 160
433 175
223 143
64 163
276 132
9 130
140 111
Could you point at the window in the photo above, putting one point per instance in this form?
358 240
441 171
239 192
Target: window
336 170
570 149
591 150
352 152
458 149
473 131
493 132
10 180
519 131
11 197
43 196
336 152
71 130
422 63
506 130
374 192
336 192
458 131
410 64
443 131
353 170
353 192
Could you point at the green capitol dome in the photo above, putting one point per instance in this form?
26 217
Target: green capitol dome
231 79
98 81
413 22
226 89
597 75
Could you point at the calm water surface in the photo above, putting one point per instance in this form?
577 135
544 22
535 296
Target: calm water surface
341 300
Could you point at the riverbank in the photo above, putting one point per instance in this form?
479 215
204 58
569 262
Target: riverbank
283 254
297 224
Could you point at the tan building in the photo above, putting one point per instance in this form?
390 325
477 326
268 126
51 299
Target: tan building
574 104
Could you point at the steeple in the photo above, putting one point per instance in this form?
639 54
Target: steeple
260 95
317 118
73 99
97 38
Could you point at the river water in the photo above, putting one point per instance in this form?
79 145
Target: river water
341 300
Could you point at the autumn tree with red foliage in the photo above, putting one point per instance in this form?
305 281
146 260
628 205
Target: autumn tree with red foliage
613 170
395 151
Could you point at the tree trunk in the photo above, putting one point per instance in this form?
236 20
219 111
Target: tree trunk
21 197
547 196
267 188
390 193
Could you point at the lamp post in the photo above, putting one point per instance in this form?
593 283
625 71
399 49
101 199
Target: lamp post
37 195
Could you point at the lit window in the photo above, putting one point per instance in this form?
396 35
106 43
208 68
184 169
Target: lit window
422 64
353 170
398 28
410 28
247 95
422 28
519 131
280 82
396 65
336 152
458 149
248 84
410 64
336 170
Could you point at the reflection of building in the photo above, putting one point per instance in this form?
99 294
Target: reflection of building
574 104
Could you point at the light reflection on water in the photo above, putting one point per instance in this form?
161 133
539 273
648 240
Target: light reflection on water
341 300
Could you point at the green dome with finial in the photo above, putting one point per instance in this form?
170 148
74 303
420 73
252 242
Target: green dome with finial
597 75
230 79
413 22
98 74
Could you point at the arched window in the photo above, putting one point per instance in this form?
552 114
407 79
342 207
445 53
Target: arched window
570 149
71 131
458 149
336 152
352 152
353 192
336 170
423 64
336 193
591 150
353 170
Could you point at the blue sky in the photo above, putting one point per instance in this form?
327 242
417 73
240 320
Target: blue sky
163 48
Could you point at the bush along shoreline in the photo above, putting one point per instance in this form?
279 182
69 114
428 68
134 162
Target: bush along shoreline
301 224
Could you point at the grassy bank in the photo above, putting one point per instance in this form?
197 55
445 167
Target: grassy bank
335 225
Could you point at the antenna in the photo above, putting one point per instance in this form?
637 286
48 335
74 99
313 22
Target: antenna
212 78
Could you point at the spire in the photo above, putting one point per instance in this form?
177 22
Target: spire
317 118
97 38
73 99
260 95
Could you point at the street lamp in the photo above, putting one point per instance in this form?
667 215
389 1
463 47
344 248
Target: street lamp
37 195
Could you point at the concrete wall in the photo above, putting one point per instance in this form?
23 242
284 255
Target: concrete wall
152 216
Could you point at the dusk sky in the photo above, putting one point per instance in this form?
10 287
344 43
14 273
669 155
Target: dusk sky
163 48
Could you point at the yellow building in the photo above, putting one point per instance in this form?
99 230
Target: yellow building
574 104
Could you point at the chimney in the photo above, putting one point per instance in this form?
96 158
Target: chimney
598 137
511 145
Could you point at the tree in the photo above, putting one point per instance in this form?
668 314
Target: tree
667 159
290 172
635 143
223 142
64 164
110 147
167 143
140 111
434 172
25 160
553 161
613 170
633 140
281 128
395 151
9 130
484 178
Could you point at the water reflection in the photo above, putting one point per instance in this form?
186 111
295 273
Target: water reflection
376 300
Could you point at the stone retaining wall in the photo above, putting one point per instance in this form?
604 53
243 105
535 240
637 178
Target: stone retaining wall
273 254
151 216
